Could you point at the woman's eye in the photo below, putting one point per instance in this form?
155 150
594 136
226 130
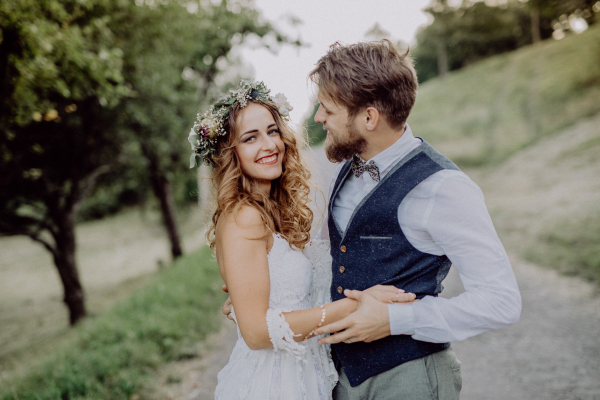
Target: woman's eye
274 132
249 139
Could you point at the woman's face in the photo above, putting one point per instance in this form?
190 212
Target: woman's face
260 148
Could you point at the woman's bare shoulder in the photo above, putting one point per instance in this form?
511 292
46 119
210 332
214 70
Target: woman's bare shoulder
246 221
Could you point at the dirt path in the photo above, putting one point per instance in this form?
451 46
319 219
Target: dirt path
553 352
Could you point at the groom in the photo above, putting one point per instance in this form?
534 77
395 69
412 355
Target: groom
400 213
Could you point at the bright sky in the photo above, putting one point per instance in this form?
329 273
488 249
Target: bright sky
323 23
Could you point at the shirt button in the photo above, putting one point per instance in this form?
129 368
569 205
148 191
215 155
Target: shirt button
340 290
342 269
343 248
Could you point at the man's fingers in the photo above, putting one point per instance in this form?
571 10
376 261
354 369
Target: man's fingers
389 288
404 297
337 338
334 327
353 294
226 309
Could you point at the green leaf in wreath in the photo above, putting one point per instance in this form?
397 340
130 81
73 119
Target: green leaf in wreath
193 139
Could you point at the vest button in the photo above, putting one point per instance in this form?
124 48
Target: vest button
340 290
342 269
343 248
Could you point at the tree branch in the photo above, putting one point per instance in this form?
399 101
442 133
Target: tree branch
36 237
87 185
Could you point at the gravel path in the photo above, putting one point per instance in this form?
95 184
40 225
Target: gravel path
552 353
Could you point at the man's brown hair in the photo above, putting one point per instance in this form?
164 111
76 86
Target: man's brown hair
369 74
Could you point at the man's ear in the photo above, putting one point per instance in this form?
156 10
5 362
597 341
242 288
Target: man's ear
372 118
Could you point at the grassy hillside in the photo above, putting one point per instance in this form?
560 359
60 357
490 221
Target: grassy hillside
526 127
484 113
116 355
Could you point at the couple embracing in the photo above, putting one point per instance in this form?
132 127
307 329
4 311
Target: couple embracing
354 313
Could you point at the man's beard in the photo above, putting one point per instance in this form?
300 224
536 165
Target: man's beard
339 151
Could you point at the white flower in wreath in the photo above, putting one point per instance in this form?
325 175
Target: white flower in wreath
282 104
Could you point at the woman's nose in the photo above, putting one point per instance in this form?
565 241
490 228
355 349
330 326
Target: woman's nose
269 143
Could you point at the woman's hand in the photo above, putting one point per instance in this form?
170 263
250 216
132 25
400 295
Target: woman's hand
391 294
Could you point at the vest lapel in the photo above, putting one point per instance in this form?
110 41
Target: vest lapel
395 168
336 188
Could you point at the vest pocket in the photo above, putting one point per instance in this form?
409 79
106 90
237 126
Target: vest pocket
375 237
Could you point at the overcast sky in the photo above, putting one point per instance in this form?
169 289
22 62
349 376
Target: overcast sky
323 23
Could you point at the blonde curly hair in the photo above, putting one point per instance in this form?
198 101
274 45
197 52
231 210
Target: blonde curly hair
286 210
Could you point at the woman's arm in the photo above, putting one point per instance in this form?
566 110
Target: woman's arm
242 243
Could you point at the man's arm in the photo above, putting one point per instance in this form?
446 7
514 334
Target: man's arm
457 222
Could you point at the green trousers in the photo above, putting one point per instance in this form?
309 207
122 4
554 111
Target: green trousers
436 377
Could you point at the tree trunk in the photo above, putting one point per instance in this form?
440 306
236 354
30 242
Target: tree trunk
164 193
64 258
536 35
442 58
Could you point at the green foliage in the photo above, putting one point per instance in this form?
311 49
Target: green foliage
316 133
59 68
116 355
52 51
488 111
471 33
551 10
475 31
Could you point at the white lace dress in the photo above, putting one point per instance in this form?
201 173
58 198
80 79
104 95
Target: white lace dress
291 370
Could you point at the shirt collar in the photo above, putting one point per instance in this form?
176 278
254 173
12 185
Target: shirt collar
396 151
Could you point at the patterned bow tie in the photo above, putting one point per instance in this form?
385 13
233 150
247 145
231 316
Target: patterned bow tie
359 166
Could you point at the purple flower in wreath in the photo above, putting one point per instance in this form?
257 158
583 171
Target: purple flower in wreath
204 131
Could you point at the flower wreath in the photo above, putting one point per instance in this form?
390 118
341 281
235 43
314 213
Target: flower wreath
208 127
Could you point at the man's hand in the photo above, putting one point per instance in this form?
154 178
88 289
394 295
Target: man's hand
390 294
369 322
227 306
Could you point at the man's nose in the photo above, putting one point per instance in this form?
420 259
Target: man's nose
319 117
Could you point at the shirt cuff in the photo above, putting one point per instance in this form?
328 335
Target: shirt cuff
402 319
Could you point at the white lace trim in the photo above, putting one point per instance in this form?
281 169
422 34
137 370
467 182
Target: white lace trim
317 252
282 336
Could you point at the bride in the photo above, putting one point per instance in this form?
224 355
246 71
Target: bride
260 234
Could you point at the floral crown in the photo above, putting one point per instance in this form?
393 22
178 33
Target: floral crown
209 126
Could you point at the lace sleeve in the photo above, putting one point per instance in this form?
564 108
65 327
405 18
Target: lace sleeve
281 335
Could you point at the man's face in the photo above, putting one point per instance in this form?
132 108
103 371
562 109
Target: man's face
343 138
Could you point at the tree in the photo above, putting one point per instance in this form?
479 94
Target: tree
172 71
59 72
88 84
462 35
546 13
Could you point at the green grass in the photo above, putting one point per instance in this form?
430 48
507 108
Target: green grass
572 246
481 115
116 355
484 113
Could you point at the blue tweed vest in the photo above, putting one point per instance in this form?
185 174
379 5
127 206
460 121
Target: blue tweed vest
373 250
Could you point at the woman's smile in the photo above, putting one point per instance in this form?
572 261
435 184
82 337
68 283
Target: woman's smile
268 160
